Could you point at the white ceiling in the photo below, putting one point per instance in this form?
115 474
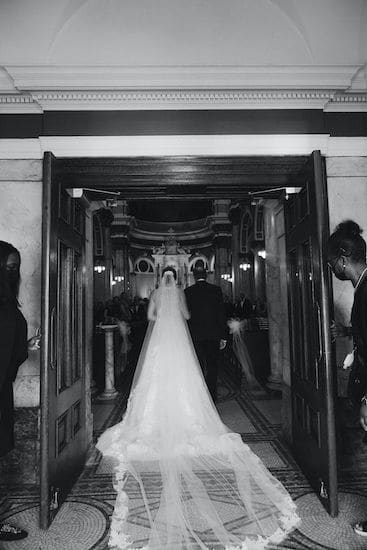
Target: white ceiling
182 44
183 32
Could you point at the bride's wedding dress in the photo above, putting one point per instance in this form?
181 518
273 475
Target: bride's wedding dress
199 485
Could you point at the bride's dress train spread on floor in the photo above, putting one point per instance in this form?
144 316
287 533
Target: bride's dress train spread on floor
200 486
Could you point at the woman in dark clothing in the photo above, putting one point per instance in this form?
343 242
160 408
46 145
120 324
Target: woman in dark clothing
13 352
347 259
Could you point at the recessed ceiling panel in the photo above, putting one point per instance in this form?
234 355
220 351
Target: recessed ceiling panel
170 210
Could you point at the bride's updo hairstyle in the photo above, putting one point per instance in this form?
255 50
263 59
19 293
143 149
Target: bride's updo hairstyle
347 241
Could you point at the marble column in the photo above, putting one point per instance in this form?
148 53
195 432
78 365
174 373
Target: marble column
120 230
234 215
273 295
108 273
222 229
109 390
103 280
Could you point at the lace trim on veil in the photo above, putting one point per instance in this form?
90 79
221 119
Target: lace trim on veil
120 540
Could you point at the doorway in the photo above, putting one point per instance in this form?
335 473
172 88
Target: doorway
177 179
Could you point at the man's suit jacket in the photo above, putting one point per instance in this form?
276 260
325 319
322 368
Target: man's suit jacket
208 318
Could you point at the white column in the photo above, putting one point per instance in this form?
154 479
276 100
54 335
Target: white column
109 390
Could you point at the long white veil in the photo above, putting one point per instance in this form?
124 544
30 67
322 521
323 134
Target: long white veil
177 463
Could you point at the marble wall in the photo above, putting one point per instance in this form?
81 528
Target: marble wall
347 195
21 225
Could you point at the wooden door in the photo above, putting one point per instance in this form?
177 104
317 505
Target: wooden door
63 429
310 305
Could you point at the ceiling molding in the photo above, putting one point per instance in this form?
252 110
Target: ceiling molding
41 88
48 77
350 102
61 100
19 103
184 99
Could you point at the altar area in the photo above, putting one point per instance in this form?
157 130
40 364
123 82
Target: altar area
149 267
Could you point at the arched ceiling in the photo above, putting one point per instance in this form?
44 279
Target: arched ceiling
179 54
172 32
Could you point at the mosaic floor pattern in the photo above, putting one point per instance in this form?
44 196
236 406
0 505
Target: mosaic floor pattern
83 521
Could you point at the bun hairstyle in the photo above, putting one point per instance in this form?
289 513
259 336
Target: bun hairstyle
170 270
347 241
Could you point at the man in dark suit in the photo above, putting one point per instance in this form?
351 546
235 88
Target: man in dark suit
207 325
243 307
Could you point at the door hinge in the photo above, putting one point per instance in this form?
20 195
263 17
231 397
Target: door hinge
54 503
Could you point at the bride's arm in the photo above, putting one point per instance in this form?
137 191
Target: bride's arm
152 308
183 306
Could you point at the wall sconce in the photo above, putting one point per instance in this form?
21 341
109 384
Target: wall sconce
118 278
245 266
262 254
227 277
99 266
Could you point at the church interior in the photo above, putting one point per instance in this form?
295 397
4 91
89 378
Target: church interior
136 136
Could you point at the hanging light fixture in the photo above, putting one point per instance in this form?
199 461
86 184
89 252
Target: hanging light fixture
245 266
118 278
262 253
226 277
99 265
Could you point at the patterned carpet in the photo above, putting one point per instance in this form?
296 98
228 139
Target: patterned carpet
83 521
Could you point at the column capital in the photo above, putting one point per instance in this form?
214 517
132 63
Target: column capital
222 239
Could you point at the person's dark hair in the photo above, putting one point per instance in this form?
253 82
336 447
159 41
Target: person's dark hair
199 272
347 241
8 289
172 270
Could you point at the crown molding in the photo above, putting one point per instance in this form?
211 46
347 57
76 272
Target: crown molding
61 100
350 102
18 103
47 77
36 89
183 99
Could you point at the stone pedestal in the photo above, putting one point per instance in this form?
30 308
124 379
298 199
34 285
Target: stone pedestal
109 389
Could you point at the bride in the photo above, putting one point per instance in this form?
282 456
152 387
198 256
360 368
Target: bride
189 474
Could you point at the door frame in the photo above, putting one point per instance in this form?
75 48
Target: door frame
230 176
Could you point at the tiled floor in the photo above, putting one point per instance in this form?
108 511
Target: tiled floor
83 521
